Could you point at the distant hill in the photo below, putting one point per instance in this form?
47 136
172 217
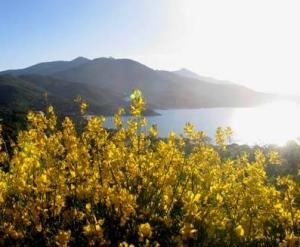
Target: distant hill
18 94
27 92
187 73
107 82
190 74
162 89
48 68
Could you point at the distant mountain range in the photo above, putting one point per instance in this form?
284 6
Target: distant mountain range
106 83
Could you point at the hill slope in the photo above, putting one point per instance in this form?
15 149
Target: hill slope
47 68
27 92
190 74
108 81
162 88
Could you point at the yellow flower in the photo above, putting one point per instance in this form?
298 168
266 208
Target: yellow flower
54 178
153 131
137 103
219 198
39 227
145 230
83 107
125 244
274 158
136 94
63 238
88 207
240 231
188 231
189 129
88 230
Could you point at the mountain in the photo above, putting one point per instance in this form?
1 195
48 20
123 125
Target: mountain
163 89
187 73
100 101
48 68
17 94
27 92
106 83
190 74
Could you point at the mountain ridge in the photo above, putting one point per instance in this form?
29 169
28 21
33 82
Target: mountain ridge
116 78
46 68
188 73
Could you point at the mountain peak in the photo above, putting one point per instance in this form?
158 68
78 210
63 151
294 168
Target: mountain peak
80 59
184 70
187 73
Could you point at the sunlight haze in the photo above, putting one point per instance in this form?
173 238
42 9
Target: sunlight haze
254 43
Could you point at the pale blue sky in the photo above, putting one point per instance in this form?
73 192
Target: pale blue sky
39 30
252 42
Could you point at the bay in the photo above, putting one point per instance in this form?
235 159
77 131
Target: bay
273 123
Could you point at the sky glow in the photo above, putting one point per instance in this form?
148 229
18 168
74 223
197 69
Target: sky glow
255 43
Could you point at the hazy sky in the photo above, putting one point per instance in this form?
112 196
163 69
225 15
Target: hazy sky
255 42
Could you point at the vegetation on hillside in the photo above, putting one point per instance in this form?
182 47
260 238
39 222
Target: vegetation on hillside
128 188
162 89
27 92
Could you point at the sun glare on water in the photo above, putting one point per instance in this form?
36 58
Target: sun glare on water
276 123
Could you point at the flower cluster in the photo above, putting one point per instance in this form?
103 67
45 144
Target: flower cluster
129 188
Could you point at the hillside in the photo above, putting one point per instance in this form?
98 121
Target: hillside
48 68
107 82
100 101
187 73
163 89
19 94
190 74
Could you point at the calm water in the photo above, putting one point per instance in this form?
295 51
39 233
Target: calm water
275 123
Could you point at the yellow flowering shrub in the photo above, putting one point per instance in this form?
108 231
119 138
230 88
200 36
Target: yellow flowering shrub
127 187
